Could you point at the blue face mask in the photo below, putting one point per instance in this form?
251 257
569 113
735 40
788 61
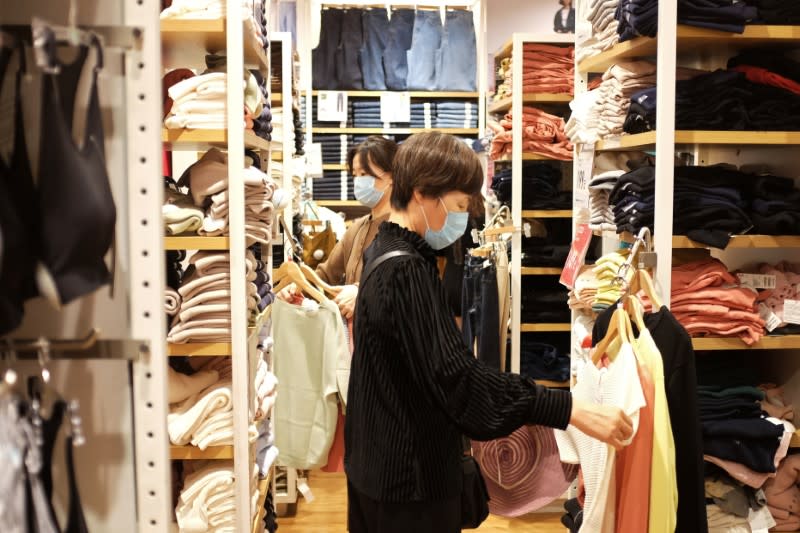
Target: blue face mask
365 191
455 224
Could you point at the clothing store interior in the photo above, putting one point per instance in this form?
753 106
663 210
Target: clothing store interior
418 267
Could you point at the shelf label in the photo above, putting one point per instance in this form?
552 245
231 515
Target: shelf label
332 106
314 160
771 319
577 253
757 281
791 311
395 107
585 169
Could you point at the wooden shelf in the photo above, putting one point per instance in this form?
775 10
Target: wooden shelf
543 327
263 490
743 241
530 156
340 203
412 94
552 384
787 342
795 442
209 35
641 140
504 104
199 349
396 131
690 39
193 452
540 271
334 166
276 98
196 242
546 213
200 140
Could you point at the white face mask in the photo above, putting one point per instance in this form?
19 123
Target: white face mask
365 191
455 224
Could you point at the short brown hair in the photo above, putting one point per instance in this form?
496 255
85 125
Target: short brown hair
379 150
434 164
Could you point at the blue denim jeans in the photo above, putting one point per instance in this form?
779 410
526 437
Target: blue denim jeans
480 310
395 58
287 18
457 59
347 55
376 34
323 64
426 40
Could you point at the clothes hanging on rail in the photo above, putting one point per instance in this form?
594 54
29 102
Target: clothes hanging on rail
680 381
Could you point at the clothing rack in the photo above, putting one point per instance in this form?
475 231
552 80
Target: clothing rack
643 238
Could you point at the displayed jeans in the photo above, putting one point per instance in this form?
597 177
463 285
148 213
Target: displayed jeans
480 310
323 57
425 42
375 23
348 70
456 60
395 54
287 18
539 360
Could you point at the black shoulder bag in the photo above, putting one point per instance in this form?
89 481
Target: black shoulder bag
474 495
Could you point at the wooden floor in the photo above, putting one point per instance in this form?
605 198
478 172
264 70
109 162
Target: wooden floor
328 513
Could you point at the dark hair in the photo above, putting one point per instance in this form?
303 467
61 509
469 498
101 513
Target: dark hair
434 163
379 150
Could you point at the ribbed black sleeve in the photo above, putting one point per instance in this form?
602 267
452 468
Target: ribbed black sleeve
415 388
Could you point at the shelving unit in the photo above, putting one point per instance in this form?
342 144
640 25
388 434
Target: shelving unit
695 137
554 102
787 342
412 94
187 42
743 241
393 131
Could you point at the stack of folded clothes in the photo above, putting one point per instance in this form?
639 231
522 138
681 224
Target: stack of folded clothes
208 499
777 11
774 205
542 134
179 213
786 287
199 102
541 187
206 417
604 28
584 121
504 73
333 185
204 314
601 211
544 301
262 122
768 67
605 270
263 287
636 17
746 434
548 245
582 296
456 114
548 68
207 181
334 147
722 15
545 357
707 300
738 104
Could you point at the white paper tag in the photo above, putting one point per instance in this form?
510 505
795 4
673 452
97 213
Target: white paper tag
771 319
395 107
304 489
332 106
757 281
791 311
585 169
314 160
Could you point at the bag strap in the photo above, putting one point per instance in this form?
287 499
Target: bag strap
370 268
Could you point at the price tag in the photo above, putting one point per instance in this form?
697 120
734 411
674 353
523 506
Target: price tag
395 107
314 160
791 311
305 490
332 106
577 253
771 319
585 169
757 281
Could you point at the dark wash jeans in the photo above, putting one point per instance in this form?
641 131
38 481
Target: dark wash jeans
323 68
480 310
395 55
375 24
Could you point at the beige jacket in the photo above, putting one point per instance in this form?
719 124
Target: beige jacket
345 263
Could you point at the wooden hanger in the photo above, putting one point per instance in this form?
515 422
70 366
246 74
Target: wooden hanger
646 283
617 328
317 281
290 272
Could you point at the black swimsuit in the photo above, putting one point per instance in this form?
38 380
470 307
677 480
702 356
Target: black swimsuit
77 207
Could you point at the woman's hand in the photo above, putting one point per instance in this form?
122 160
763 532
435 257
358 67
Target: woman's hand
346 300
605 423
288 293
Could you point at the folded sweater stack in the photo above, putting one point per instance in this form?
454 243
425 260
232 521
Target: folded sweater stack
604 28
707 300
205 291
252 11
200 102
543 134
